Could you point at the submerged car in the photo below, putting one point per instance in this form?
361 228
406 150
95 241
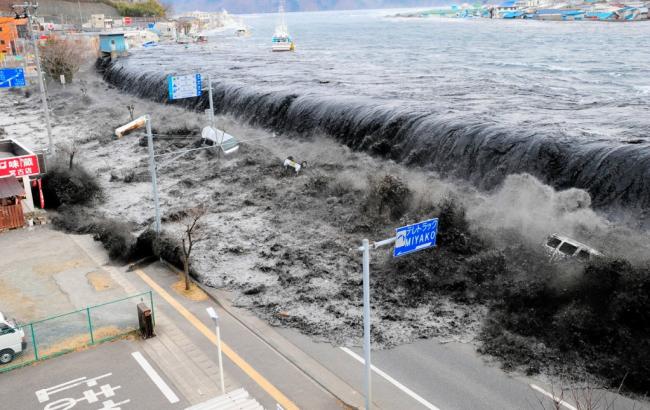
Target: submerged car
561 247
213 136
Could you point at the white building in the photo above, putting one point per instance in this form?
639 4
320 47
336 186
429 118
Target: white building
97 21
166 30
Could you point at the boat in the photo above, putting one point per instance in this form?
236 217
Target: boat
282 41
242 31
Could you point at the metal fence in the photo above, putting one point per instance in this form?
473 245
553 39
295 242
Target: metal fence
60 334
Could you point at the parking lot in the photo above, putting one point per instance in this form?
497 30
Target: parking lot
87 380
44 272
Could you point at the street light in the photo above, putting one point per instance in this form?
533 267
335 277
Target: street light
145 121
215 319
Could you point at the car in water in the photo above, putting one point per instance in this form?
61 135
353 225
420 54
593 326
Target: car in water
561 247
212 136
12 340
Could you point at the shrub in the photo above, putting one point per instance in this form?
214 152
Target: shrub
117 239
165 247
602 317
65 186
61 57
453 228
388 198
318 184
114 235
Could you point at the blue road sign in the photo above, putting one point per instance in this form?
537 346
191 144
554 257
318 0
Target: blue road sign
413 238
12 77
184 86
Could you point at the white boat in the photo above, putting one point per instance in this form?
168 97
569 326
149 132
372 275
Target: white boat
282 41
242 31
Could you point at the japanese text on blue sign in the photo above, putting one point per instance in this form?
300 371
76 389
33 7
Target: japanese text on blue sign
413 238
184 86
12 77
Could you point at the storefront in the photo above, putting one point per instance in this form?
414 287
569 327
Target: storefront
17 165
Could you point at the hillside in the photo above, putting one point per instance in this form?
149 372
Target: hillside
67 11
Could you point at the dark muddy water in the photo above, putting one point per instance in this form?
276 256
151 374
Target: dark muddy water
477 99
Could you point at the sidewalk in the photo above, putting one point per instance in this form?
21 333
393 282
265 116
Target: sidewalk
77 273
268 375
193 373
185 349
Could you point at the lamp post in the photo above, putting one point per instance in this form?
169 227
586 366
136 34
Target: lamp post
215 319
145 121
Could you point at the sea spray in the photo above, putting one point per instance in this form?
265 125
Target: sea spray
615 174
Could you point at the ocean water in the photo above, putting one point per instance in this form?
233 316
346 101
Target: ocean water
568 102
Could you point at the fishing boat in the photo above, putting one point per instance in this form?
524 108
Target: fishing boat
282 41
242 31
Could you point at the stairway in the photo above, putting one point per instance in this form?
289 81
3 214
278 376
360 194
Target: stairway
235 400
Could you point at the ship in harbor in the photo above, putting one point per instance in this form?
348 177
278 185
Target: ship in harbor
282 40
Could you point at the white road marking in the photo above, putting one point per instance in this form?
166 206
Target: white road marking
43 395
552 397
155 377
392 381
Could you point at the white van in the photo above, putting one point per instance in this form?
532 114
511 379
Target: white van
12 340
561 247
213 136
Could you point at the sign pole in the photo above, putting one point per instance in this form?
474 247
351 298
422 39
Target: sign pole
366 320
408 239
152 169
211 102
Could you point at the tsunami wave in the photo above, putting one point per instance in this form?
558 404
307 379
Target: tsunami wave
615 173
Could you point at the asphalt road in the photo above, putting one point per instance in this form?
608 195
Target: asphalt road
107 376
279 372
422 375
450 376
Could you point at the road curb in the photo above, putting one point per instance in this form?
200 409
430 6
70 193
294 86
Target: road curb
323 377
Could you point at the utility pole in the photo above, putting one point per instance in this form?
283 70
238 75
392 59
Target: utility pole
152 169
28 9
81 19
211 103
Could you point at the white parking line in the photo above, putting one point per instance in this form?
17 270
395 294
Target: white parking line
392 381
552 397
155 377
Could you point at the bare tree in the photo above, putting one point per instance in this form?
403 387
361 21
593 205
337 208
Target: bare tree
131 108
69 148
193 233
61 57
585 397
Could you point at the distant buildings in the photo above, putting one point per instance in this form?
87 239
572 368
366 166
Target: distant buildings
559 10
11 29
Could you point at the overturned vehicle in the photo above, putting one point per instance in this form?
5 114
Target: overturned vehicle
560 247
